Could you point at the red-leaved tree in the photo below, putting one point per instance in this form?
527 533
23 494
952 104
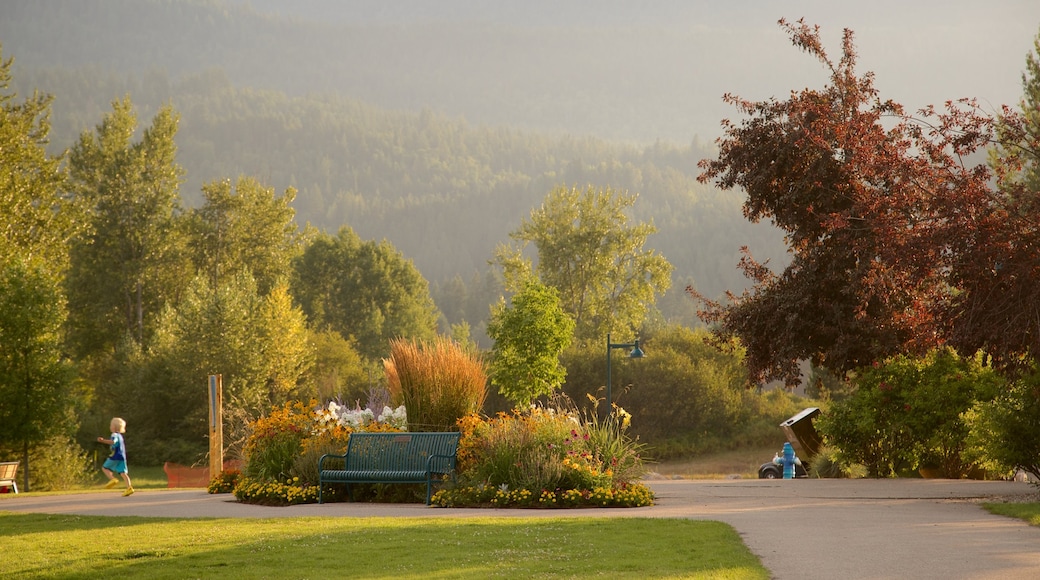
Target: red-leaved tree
896 241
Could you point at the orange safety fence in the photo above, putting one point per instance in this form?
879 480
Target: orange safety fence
183 476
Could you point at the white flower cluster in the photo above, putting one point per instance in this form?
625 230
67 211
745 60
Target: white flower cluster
356 418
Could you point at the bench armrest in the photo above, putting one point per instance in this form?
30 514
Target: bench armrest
449 458
321 461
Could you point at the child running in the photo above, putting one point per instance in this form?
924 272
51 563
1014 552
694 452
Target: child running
116 463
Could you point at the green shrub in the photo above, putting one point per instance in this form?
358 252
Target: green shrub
686 397
758 425
829 464
1003 434
438 383
59 464
908 413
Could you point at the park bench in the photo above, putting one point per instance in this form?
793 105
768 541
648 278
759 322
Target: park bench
390 458
8 472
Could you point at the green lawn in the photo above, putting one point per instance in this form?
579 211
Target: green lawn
145 477
65 546
1029 512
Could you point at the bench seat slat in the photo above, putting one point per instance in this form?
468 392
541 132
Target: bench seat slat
373 475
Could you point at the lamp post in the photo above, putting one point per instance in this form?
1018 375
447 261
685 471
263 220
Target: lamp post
635 353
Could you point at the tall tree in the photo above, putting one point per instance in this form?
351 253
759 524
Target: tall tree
286 349
878 209
587 250
529 334
245 226
36 222
364 290
997 267
35 378
37 219
130 262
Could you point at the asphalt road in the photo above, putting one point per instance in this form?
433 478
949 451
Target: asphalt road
801 529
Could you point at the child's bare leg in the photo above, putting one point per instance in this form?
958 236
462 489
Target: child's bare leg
126 478
112 481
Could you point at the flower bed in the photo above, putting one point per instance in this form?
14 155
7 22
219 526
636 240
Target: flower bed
548 457
275 493
535 458
633 495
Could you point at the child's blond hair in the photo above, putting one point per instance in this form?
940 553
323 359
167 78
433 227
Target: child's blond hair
118 425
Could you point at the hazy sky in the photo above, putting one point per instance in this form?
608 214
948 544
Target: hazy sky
922 51
631 69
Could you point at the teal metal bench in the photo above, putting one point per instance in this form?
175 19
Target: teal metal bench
391 458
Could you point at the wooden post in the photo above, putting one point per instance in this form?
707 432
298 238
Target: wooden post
216 426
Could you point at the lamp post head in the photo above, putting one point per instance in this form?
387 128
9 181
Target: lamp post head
636 351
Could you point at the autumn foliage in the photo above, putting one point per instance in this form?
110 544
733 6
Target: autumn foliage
898 243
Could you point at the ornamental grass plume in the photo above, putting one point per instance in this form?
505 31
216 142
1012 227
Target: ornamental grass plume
438 382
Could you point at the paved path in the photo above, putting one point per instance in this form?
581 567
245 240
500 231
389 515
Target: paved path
804 529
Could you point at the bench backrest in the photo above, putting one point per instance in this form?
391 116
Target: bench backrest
402 451
8 470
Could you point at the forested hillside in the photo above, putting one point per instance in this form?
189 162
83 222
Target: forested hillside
575 66
442 189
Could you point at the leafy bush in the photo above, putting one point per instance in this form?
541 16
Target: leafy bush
908 413
438 383
59 464
828 464
686 397
758 425
1004 431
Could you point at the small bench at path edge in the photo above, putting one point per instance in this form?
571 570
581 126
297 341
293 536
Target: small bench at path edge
391 458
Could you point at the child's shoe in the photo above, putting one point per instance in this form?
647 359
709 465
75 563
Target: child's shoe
129 491
111 483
